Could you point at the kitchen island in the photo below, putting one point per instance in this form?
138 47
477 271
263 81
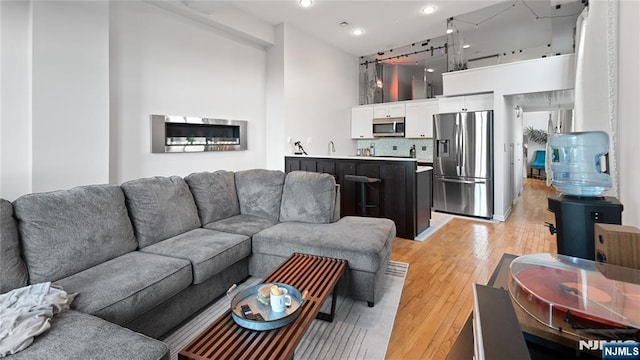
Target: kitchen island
403 195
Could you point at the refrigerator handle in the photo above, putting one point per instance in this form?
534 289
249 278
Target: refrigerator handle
461 152
456 133
461 181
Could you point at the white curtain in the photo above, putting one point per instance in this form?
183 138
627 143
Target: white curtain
612 92
581 74
596 82
580 88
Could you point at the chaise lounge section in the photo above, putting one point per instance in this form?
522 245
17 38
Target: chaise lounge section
307 226
146 255
343 240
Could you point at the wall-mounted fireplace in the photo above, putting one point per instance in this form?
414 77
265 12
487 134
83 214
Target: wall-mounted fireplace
170 134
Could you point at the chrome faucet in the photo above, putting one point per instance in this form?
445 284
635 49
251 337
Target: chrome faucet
332 147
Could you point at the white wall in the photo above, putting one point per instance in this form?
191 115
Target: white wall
56 88
518 155
276 149
320 87
163 63
596 111
593 113
15 97
70 98
86 76
629 111
510 166
548 74
225 18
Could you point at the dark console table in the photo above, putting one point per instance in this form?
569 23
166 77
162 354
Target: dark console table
575 218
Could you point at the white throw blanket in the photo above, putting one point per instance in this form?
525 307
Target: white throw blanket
25 314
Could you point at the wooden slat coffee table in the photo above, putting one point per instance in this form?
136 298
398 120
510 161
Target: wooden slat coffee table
224 339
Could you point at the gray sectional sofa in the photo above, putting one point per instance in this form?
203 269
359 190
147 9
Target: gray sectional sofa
146 255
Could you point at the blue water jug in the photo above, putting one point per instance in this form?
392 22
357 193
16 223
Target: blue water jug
577 161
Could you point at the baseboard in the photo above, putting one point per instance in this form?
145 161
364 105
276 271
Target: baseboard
503 217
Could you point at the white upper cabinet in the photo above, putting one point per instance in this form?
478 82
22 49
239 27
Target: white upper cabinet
362 122
478 102
465 103
388 111
451 104
419 118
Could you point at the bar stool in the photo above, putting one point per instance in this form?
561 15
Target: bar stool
362 182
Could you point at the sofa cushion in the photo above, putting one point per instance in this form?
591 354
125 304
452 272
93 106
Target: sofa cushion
241 224
308 197
260 192
215 195
160 208
13 271
362 241
74 335
65 232
209 251
121 289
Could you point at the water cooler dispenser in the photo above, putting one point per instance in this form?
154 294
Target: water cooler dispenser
577 161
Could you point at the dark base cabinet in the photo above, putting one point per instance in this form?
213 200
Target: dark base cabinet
423 163
575 219
403 196
348 191
423 204
326 166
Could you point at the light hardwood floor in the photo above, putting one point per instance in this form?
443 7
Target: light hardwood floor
437 296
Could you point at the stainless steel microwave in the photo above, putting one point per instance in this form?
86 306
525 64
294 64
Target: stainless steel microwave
388 127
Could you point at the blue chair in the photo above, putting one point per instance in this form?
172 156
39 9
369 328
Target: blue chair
538 162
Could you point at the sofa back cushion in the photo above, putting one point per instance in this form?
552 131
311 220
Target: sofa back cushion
13 271
215 195
260 192
160 208
308 197
65 232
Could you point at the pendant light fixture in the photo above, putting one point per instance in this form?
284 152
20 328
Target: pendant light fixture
449 26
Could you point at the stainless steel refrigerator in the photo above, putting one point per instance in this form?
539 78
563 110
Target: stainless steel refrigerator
463 163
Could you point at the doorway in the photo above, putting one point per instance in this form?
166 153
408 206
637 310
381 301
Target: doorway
537 116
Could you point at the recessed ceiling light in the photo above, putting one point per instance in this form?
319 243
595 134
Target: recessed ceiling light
357 31
429 9
449 31
430 70
466 46
305 3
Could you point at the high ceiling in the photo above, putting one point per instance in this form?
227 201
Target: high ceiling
503 25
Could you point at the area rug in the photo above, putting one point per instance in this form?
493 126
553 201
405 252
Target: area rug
438 220
357 332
